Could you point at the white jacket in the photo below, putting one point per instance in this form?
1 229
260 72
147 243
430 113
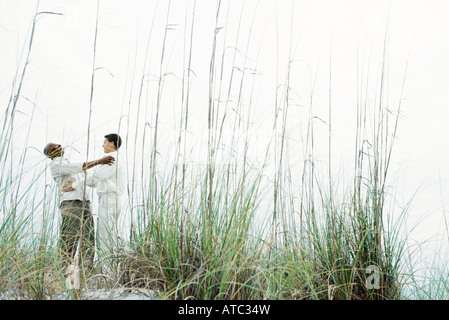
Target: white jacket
107 179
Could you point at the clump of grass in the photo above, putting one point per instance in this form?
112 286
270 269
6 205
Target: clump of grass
200 259
29 266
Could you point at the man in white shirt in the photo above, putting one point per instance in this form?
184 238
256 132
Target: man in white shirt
77 220
110 184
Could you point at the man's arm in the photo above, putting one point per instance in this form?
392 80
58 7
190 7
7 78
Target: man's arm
72 168
65 168
106 175
91 180
105 160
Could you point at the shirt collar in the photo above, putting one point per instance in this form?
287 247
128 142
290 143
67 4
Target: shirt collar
58 159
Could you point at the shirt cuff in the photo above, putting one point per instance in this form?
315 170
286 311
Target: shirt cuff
77 184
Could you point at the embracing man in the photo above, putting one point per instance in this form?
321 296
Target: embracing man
77 220
109 182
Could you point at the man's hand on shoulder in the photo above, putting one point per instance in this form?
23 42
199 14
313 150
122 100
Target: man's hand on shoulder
109 160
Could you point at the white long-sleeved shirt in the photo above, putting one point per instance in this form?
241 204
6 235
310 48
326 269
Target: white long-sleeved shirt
107 179
62 172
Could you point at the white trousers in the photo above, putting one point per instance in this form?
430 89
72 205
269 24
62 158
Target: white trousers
109 208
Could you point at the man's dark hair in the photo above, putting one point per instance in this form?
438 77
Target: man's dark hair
49 148
113 137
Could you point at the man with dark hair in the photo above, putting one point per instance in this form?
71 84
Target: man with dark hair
110 184
77 220
113 137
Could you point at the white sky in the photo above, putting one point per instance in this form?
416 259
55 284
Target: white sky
59 74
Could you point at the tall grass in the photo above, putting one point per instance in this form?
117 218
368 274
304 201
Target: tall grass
204 232
28 268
